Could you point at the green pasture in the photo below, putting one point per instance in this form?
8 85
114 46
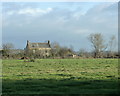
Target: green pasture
60 76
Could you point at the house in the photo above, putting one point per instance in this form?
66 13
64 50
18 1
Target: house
41 49
1 50
72 55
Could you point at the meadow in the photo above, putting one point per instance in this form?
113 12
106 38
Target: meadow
60 76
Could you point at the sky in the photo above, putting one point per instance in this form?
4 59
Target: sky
68 23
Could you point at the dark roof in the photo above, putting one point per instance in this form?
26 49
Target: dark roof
39 45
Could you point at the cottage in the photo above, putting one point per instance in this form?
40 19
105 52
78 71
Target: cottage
1 50
42 49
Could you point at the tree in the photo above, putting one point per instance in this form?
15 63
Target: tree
71 49
64 51
60 51
55 48
7 49
82 52
112 45
98 44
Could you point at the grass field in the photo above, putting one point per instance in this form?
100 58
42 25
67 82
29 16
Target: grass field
60 76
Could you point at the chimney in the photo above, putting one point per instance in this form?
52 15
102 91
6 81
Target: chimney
27 46
28 41
48 42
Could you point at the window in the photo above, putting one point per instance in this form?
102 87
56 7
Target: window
45 51
33 51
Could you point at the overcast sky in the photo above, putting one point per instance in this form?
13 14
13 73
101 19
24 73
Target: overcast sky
65 22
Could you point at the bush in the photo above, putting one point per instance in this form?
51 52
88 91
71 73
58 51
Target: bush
32 60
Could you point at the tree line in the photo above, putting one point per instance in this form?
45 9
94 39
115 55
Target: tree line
100 49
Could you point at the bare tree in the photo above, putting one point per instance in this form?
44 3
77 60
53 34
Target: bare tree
112 45
98 44
71 48
64 51
82 52
7 49
60 51
55 48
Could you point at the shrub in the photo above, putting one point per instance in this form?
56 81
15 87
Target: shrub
32 60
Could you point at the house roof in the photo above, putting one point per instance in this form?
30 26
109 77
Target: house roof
39 45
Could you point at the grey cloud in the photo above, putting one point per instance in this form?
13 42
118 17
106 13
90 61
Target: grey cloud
61 25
